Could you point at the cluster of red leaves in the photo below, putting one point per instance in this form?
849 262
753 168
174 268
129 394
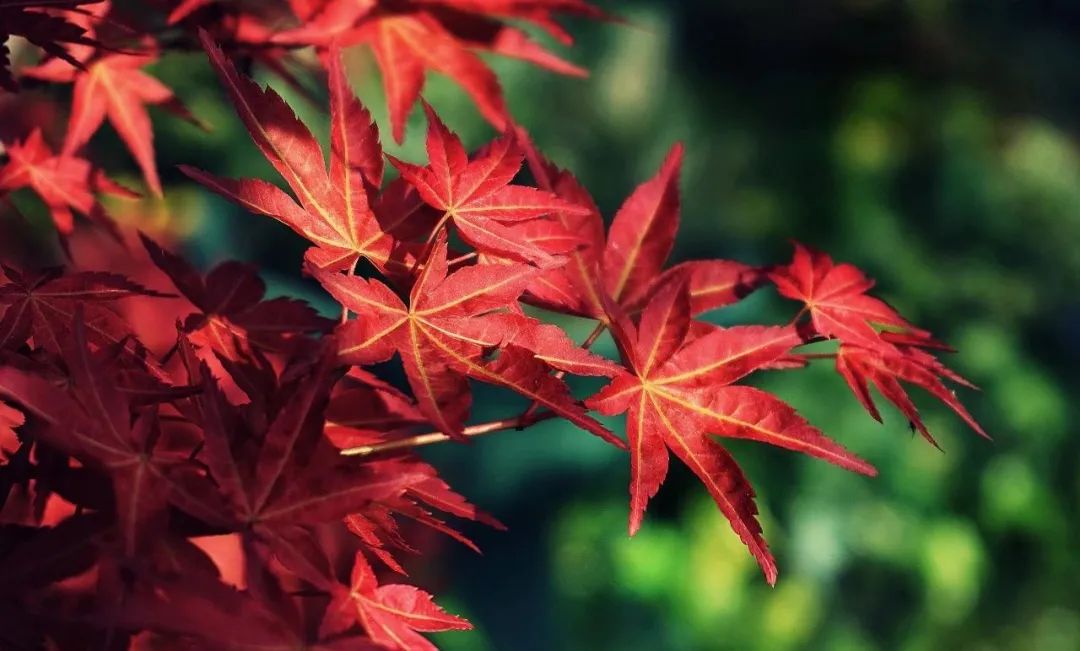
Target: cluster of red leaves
233 490
103 56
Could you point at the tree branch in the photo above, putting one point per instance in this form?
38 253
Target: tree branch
420 440
529 417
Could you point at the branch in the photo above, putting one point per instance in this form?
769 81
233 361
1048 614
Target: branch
529 417
420 440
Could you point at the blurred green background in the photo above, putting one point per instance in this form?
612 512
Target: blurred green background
931 142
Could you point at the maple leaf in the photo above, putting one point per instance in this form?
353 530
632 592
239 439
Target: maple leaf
376 526
64 182
480 26
677 392
94 423
628 264
42 305
334 212
835 296
442 335
409 40
28 19
232 309
886 369
477 195
391 614
112 84
271 473
213 616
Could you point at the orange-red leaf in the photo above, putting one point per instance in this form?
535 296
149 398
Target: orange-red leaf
678 390
332 207
391 614
451 320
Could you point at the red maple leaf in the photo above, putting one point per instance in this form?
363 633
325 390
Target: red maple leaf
64 182
410 39
232 309
680 388
886 369
628 264
444 331
477 195
379 531
270 471
391 614
94 422
334 211
112 84
835 297
43 305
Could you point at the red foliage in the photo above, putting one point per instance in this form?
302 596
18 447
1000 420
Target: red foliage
229 490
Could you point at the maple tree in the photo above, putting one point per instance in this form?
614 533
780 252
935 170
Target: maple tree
232 489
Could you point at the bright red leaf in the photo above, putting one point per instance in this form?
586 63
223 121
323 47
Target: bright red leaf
64 182
628 264
392 614
442 335
409 40
886 370
877 345
477 195
112 84
677 393
836 299
334 211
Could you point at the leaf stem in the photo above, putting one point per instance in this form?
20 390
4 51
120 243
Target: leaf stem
438 227
429 438
461 259
529 417
345 310
429 245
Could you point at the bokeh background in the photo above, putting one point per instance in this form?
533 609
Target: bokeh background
932 142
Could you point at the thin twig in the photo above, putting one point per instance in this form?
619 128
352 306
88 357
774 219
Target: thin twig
345 310
420 440
462 259
529 417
